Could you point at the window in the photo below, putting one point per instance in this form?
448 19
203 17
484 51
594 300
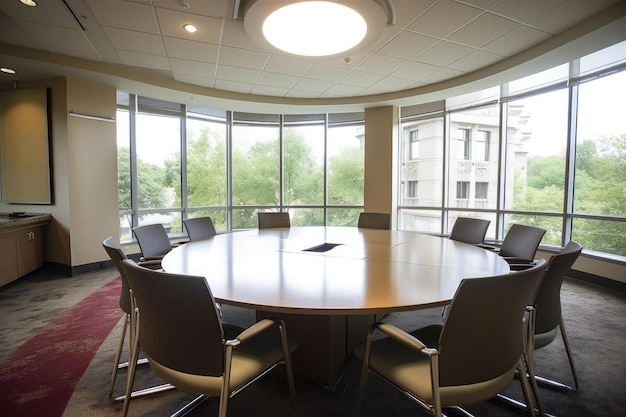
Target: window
481 191
463 144
179 161
462 189
483 141
560 165
412 189
414 150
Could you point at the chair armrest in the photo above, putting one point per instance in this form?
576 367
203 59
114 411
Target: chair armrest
151 264
401 336
256 328
488 247
150 258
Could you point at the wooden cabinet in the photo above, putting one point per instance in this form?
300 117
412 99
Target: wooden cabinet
21 251
29 250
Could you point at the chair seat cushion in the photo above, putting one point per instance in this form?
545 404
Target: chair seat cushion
410 370
249 360
542 339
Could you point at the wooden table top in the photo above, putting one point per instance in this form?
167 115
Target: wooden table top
368 271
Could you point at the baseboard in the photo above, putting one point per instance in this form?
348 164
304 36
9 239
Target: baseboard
598 280
82 269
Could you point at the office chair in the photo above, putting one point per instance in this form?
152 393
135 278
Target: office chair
153 241
469 230
375 220
469 359
117 256
270 220
519 245
178 327
199 228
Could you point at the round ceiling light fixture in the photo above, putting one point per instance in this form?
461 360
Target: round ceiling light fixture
316 29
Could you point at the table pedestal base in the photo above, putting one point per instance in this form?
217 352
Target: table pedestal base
324 342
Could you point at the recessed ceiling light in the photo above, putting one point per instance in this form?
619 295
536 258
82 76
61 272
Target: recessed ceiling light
7 70
190 28
31 3
318 29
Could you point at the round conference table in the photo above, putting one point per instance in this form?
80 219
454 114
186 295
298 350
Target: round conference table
328 283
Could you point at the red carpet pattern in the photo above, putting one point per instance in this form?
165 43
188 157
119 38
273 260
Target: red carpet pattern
39 378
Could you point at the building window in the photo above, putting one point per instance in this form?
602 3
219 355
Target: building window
411 191
483 140
414 150
462 189
463 144
481 190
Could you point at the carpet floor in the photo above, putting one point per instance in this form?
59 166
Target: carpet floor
595 318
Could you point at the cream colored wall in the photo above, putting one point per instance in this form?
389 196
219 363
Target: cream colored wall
381 130
57 239
92 170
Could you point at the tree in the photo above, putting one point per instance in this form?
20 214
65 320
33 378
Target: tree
149 182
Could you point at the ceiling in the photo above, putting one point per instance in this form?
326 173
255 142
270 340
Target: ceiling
139 44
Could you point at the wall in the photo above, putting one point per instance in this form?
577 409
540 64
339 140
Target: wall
84 174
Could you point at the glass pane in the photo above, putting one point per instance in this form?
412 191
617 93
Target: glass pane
541 79
126 225
303 165
307 216
474 148
600 235
603 58
218 217
172 221
206 163
536 145
245 218
600 173
348 217
421 176
552 225
428 221
256 166
123 161
346 161
158 161
491 231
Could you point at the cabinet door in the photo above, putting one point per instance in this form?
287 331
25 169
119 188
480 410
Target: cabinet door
8 257
29 250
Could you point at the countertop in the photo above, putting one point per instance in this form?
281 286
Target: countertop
8 221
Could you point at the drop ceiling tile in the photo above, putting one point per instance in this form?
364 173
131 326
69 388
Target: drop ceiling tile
327 72
316 86
444 53
516 41
568 14
343 90
475 61
125 15
234 34
47 12
228 73
194 51
235 86
243 58
408 10
381 64
301 94
138 59
485 4
59 37
408 45
388 84
213 8
288 66
190 79
415 71
186 67
483 30
277 80
265 90
441 75
13 34
171 24
523 11
360 79
444 18
135 41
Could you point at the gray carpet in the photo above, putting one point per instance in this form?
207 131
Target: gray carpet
596 320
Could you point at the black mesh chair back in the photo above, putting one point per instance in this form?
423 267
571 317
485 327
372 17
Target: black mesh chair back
199 228
469 230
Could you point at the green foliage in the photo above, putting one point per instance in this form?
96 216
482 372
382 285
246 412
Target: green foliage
150 183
